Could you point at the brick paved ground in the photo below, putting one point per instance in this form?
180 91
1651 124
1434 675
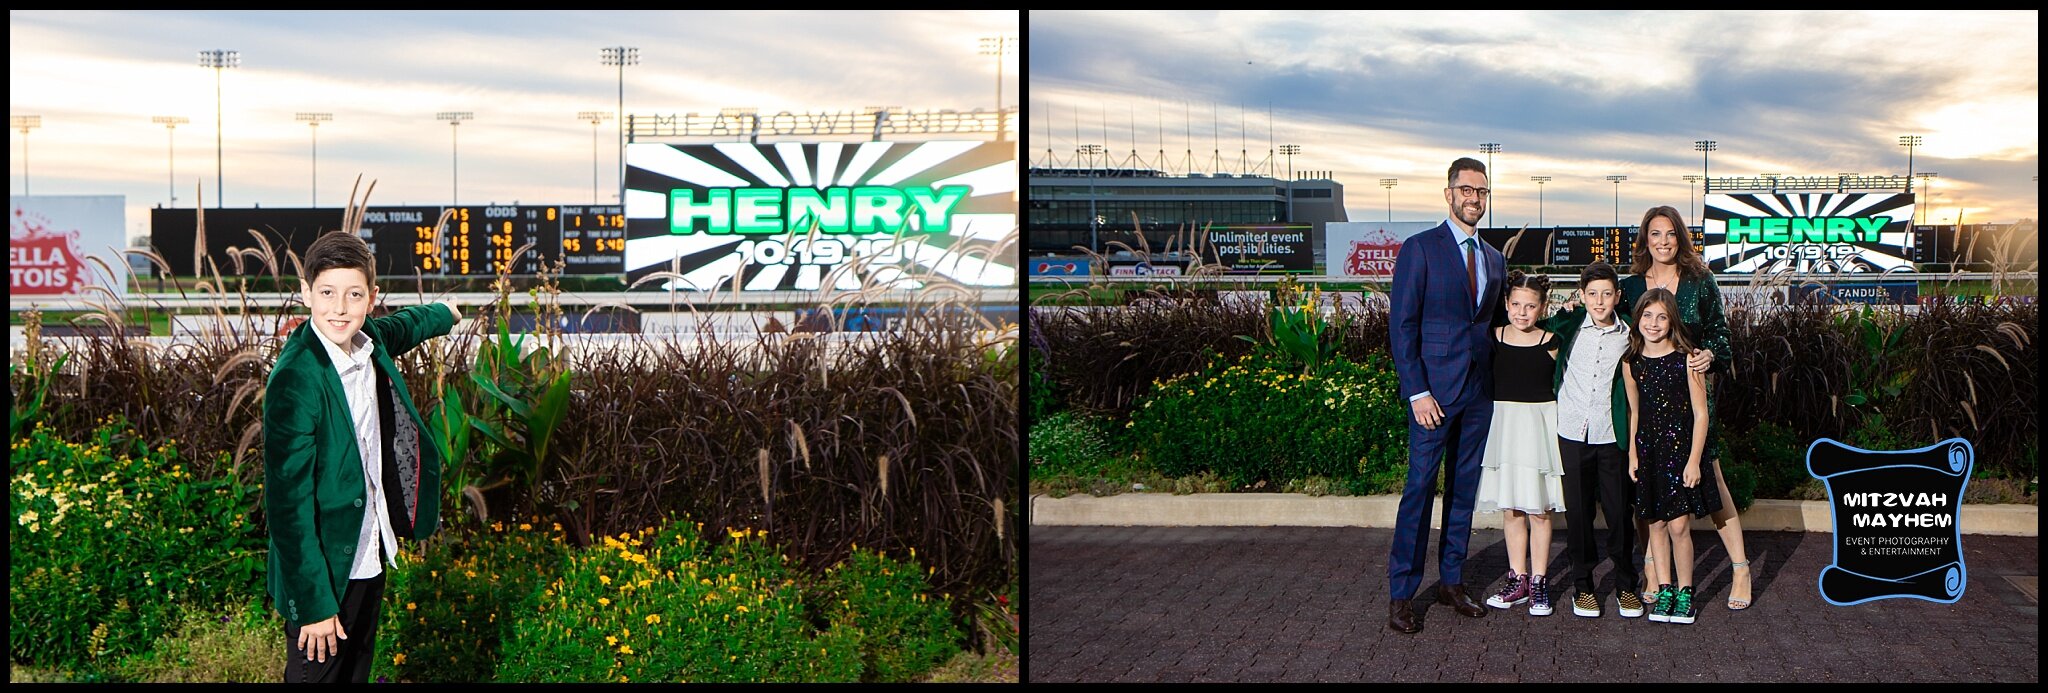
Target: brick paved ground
1254 604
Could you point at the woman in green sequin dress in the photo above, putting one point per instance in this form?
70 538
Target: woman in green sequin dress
1666 258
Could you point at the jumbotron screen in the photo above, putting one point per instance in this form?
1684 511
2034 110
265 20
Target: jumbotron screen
845 216
1846 233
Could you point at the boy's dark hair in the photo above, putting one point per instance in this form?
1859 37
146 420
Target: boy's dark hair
1464 163
340 250
1598 271
1533 282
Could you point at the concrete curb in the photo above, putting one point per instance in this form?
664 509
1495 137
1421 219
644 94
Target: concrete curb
1297 510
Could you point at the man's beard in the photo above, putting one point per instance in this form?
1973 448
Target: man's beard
1477 213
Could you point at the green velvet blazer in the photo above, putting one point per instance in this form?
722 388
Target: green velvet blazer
313 489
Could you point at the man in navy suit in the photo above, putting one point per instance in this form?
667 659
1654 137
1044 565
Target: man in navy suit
1446 295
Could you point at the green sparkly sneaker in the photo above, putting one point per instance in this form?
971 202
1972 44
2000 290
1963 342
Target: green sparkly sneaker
1682 609
1660 610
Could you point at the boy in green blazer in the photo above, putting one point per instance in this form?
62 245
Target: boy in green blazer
345 469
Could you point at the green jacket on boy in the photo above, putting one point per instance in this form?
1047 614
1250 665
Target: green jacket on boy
1565 324
313 495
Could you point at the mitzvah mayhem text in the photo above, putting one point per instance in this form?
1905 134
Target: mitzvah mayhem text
1899 500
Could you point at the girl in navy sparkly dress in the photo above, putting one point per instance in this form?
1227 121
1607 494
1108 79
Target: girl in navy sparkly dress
1667 404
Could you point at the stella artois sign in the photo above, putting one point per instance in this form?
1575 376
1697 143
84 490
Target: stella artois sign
50 239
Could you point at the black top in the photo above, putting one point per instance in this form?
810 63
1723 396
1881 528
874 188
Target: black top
1522 373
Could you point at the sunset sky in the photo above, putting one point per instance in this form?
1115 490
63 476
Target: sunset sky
97 78
1576 96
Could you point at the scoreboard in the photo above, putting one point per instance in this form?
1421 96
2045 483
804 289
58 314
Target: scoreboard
1573 246
476 240
1585 246
481 240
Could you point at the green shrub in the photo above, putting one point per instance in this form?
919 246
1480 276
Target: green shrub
663 606
904 632
449 609
242 644
1772 455
109 536
1069 442
1256 418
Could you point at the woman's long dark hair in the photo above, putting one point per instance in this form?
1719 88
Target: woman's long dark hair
1690 266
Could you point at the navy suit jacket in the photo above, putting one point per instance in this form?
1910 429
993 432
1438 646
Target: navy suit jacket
1439 332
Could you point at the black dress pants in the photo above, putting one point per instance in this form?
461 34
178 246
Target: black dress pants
359 612
1598 472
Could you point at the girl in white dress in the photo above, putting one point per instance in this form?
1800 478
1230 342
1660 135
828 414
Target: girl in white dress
1521 472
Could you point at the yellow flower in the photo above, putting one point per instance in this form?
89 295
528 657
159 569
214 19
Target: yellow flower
653 619
604 601
606 579
470 573
398 658
410 606
743 608
625 649
611 640
524 527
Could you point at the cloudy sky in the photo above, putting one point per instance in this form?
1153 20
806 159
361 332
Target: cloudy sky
1576 96
97 78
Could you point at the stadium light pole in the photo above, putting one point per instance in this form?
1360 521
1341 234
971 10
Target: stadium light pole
1843 184
1617 197
1540 180
1926 183
314 120
621 56
454 119
1290 150
1491 148
998 46
1389 184
218 60
1689 208
1094 230
1909 142
595 118
1773 178
1704 146
25 124
171 124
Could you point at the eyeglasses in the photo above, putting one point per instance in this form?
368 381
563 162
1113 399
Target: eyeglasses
1469 191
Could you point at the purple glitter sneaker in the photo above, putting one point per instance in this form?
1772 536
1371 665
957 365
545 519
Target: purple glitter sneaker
1515 592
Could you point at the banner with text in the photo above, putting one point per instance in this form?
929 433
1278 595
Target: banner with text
1252 249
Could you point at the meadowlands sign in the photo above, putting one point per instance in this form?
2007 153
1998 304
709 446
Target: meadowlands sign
1845 233
821 216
